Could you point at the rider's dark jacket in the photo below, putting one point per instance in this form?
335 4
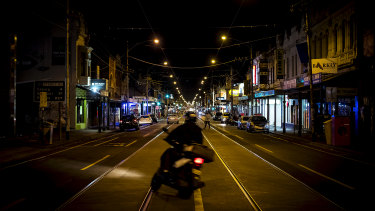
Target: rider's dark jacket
187 133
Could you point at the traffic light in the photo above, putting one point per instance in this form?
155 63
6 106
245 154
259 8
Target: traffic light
167 96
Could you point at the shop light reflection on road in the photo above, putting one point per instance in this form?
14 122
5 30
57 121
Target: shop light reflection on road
126 173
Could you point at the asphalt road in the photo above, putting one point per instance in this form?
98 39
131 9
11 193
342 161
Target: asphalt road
251 171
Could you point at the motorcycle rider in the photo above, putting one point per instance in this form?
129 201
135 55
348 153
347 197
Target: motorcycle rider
185 134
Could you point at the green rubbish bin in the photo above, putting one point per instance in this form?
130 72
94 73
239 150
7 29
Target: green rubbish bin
328 131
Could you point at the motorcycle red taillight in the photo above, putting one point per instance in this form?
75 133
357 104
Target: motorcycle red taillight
120 121
199 161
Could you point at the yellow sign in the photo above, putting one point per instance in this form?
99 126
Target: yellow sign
43 100
325 65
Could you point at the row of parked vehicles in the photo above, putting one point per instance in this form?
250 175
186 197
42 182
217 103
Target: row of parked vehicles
253 123
133 122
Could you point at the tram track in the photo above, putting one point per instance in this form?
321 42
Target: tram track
239 183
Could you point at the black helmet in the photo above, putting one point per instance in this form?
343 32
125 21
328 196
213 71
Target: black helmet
190 117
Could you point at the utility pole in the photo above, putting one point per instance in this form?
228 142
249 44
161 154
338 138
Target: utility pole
67 73
251 80
312 109
13 85
127 77
231 88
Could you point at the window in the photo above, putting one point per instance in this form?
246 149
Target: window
325 45
351 33
295 63
343 35
287 67
292 65
334 41
58 50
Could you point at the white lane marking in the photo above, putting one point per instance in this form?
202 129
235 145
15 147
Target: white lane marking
105 157
327 177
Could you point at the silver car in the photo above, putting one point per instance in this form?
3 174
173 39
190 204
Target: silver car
145 119
172 118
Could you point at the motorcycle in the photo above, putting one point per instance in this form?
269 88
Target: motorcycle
184 176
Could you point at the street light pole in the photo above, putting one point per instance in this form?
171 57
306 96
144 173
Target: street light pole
312 109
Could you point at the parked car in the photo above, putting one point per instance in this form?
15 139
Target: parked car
217 116
224 117
242 122
145 119
129 122
172 118
154 119
257 123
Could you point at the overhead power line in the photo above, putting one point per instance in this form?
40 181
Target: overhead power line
174 67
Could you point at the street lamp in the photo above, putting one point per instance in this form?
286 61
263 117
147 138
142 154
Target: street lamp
156 41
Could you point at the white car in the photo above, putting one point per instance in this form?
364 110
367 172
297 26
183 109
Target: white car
145 119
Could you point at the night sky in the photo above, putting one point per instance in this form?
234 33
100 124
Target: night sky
189 32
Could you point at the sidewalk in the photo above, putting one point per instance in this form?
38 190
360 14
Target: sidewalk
21 148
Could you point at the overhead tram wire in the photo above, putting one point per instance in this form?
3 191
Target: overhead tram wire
186 68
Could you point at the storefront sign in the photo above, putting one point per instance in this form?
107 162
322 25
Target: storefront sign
290 84
317 78
326 65
264 93
220 98
98 84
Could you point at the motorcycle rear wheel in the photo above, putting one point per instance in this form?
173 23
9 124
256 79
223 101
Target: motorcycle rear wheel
185 193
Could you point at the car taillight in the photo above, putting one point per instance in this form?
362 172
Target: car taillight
120 121
199 161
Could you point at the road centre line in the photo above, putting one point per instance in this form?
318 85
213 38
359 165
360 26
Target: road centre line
198 201
327 177
263 148
131 143
70 200
54 153
105 157
106 142
239 184
239 137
